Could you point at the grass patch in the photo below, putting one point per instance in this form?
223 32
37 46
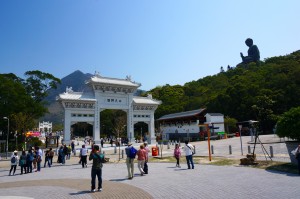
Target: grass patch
220 161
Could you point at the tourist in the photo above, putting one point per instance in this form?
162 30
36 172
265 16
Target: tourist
69 152
146 160
188 148
65 153
22 162
102 142
38 159
177 154
141 158
29 160
51 154
34 158
98 159
130 159
14 162
60 158
83 156
73 148
47 158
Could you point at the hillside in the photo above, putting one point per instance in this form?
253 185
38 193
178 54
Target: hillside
76 80
260 93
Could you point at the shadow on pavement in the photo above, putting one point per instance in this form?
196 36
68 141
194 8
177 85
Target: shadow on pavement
118 180
80 193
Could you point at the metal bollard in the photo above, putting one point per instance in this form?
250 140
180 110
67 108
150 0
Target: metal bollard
212 149
115 149
230 150
271 152
122 153
249 149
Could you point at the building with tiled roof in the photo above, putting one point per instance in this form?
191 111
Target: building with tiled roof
189 124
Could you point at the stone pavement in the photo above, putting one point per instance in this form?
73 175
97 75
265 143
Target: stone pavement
163 181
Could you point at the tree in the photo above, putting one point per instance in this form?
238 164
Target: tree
38 83
289 124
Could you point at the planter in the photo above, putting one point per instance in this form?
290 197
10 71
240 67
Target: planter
292 145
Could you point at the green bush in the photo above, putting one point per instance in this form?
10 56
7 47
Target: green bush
34 141
289 124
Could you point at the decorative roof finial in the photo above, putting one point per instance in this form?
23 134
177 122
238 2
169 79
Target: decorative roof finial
97 74
69 90
128 77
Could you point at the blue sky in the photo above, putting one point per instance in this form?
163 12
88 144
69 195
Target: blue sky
157 42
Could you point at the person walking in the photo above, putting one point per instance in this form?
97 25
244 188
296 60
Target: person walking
141 158
188 148
130 156
22 162
83 156
177 154
98 159
14 159
147 155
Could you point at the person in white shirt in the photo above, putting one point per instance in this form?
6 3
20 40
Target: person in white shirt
14 159
83 156
188 148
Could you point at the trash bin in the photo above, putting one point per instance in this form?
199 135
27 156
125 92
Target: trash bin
154 151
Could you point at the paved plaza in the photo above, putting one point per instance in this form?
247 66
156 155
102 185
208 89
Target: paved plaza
163 181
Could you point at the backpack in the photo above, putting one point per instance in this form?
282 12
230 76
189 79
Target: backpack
13 160
38 158
132 152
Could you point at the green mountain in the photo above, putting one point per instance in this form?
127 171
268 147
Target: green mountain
76 80
258 92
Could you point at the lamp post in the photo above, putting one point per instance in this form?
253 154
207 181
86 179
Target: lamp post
6 118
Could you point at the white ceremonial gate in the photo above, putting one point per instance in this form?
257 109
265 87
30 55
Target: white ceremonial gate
107 93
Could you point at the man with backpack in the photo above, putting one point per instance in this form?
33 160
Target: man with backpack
130 153
14 162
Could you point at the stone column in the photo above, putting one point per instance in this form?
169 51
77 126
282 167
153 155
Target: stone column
67 127
96 133
152 129
130 129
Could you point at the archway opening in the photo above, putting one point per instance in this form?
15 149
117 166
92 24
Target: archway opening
141 132
114 126
81 129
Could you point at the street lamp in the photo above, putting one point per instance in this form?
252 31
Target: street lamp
6 118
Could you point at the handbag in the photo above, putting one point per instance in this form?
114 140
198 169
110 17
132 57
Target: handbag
191 150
